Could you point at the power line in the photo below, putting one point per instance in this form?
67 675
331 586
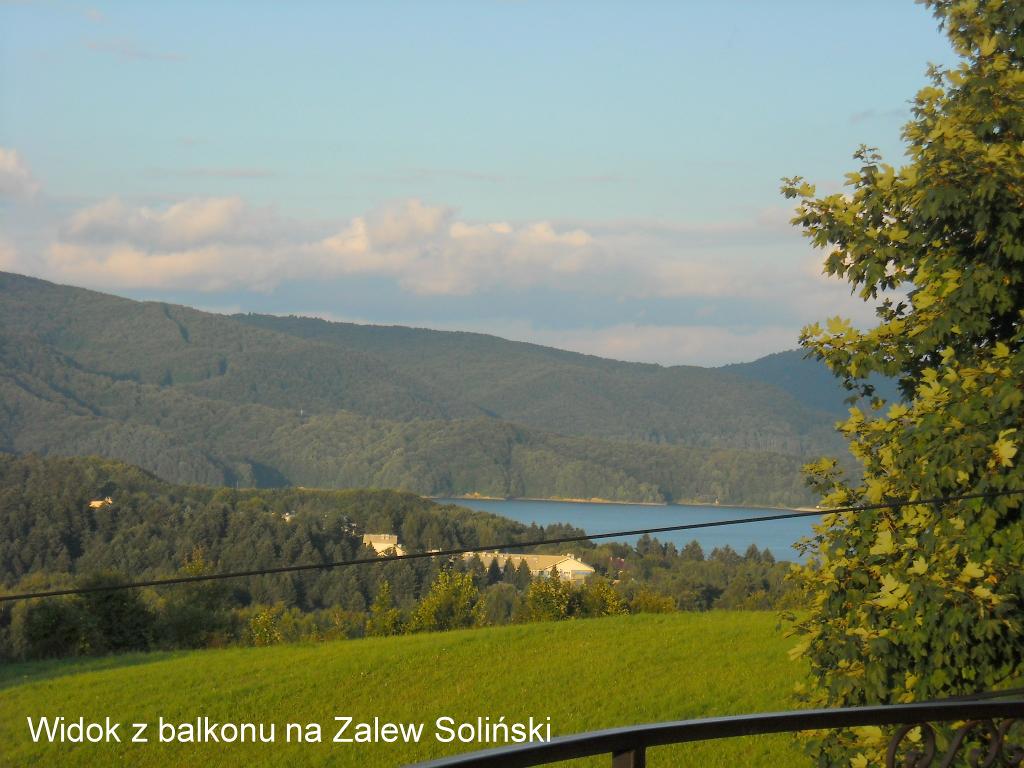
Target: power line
506 545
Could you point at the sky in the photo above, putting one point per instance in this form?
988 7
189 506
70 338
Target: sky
595 176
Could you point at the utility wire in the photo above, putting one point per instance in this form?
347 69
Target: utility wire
505 545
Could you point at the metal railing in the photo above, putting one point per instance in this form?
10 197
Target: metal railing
985 731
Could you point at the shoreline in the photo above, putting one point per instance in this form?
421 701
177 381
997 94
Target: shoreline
481 497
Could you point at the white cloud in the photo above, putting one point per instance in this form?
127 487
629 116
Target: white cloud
429 251
215 244
211 244
210 268
182 224
16 179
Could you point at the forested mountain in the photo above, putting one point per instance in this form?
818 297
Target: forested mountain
266 401
807 380
573 393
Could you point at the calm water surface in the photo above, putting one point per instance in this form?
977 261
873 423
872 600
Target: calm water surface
778 536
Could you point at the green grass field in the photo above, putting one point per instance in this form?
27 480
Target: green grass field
583 674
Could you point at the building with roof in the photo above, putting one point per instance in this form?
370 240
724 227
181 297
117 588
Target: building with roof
383 543
568 567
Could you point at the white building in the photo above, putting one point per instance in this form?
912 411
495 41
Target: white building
383 543
569 568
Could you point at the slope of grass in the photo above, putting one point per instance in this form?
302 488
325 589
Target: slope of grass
584 675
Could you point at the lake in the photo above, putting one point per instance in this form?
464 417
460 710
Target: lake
777 536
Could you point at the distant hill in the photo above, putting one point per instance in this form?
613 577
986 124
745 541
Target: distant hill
268 401
806 380
572 393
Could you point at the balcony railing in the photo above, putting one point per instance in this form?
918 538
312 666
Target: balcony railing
984 732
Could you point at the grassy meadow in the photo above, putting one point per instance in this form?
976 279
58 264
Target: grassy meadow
584 674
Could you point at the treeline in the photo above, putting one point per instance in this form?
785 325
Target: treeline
151 529
51 537
462 594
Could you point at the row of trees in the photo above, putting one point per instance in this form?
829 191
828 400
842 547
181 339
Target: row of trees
199 616
455 601
654 577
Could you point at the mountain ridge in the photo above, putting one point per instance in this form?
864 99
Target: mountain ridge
263 400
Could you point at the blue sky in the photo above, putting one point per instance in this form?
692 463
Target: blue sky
597 176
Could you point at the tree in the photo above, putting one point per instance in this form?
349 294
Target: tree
385 619
523 576
50 628
692 551
726 555
265 626
598 598
194 615
921 601
647 601
449 604
497 605
494 573
122 620
475 567
548 599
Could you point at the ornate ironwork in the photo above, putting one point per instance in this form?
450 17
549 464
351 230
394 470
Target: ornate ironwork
982 741
917 756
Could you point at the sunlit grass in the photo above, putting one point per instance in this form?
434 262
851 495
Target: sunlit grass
584 674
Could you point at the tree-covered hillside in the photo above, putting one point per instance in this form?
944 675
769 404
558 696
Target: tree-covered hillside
808 380
151 528
261 401
579 394
52 406
64 519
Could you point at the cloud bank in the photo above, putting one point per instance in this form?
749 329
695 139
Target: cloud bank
227 249
213 244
